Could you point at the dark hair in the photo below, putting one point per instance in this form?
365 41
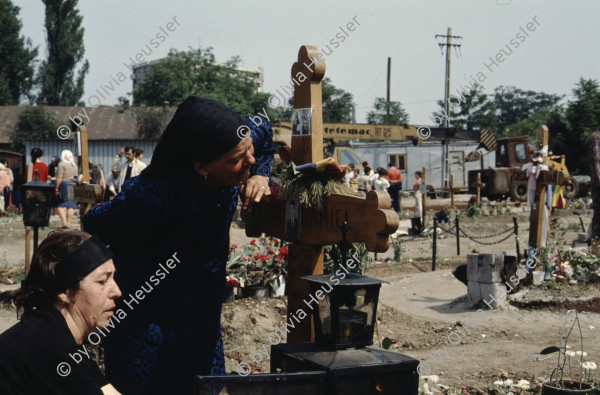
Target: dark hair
382 172
351 165
2 160
138 151
36 153
365 164
391 164
367 170
127 149
419 174
39 287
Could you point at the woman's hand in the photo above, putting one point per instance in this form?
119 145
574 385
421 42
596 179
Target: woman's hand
255 188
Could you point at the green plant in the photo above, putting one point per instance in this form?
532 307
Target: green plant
359 252
473 211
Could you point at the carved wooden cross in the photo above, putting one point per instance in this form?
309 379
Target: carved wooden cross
85 193
452 190
538 234
369 219
479 185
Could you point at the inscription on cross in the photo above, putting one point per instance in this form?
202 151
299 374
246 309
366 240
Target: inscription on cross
370 220
540 213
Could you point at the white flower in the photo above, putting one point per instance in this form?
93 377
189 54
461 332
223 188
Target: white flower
508 383
591 327
483 335
570 353
433 379
523 384
499 383
581 353
590 365
567 346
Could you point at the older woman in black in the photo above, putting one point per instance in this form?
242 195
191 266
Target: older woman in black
67 296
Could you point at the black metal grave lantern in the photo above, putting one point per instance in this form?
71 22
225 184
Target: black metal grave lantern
346 303
37 203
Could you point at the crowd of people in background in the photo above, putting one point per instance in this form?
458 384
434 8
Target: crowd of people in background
61 172
381 179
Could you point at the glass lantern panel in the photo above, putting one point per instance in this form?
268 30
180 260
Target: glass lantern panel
325 315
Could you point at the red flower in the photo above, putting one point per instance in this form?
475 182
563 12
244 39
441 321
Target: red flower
253 242
264 258
257 256
280 256
244 258
283 250
276 242
271 252
234 246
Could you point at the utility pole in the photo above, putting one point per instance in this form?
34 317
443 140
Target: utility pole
448 44
387 107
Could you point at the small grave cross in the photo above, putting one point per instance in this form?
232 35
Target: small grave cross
452 190
369 220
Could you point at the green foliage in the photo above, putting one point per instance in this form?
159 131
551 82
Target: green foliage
58 81
33 123
473 211
196 73
332 254
476 110
379 114
18 58
150 121
258 263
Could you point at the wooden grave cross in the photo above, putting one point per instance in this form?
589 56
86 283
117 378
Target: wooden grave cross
537 226
371 220
478 184
452 190
83 192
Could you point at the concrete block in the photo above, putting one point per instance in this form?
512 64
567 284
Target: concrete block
472 264
495 294
582 237
489 268
474 292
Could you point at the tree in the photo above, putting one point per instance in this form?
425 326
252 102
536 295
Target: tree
59 85
150 121
582 119
18 58
33 123
474 111
196 72
379 115
337 103
514 106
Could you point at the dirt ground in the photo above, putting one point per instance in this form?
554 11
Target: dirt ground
420 308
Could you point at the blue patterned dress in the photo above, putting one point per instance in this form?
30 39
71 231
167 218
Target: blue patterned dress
172 329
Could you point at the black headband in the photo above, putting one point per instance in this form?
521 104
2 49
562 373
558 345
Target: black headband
79 263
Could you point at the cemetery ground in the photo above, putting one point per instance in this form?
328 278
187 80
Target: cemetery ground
419 308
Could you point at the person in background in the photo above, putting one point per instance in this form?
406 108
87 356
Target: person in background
36 166
112 184
138 153
381 183
52 169
417 189
67 295
594 168
364 186
16 192
395 179
349 174
6 183
67 169
132 168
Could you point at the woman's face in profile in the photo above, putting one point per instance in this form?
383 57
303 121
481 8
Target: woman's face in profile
231 168
94 302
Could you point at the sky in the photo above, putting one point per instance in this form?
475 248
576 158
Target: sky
555 54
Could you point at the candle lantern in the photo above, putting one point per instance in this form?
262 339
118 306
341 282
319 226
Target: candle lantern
37 202
345 316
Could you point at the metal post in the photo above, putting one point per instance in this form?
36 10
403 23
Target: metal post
457 236
35 237
517 238
434 243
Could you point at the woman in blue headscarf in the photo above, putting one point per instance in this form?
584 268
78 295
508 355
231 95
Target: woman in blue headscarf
169 232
